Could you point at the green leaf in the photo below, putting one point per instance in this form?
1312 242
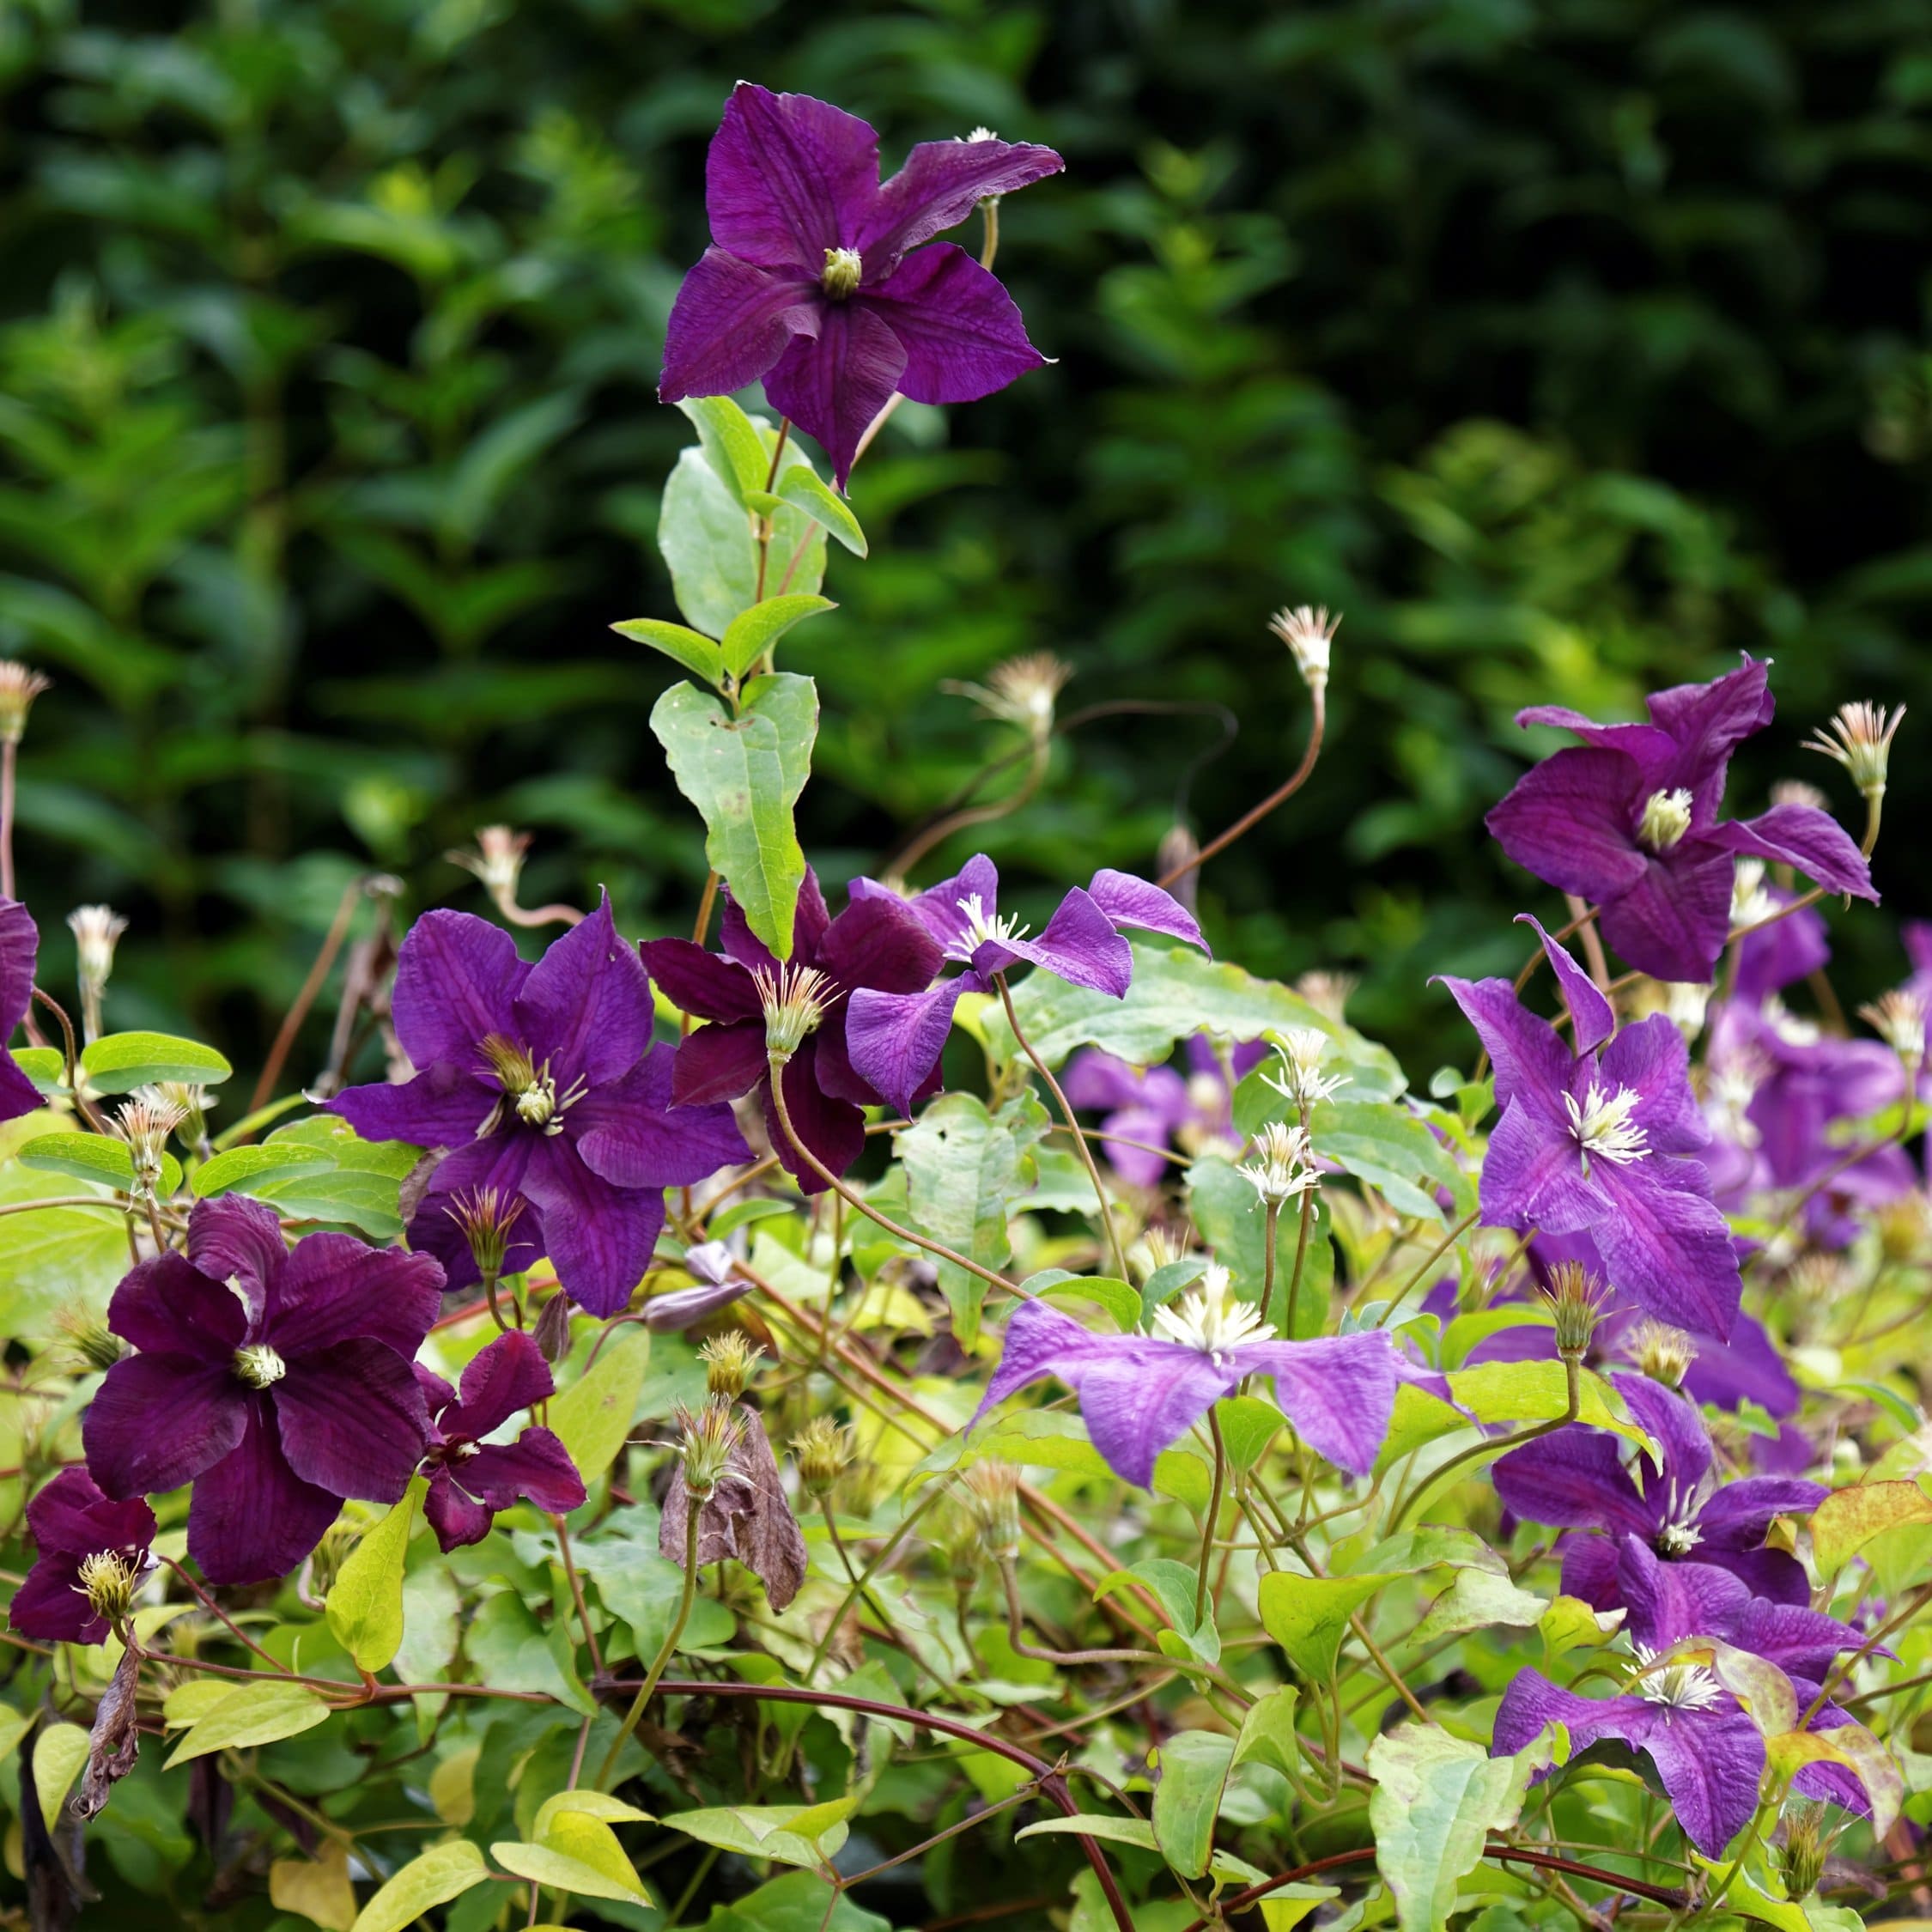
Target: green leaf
798 1902
1307 1616
592 1804
806 490
1137 1831
512 1651
806 1835
593 1417
361 1188
1437 1799
365 1603
744 774
730 443
60 1751
53 1258
1537 1392
1848 1519
94 1156
1268 1733
705 535
1036 1438
1229 1213
434 1878
1113 1298
244 1170
262 1711
1248 1425
1393 1153
47 1066
964 1166
1173 1585
1477 1599
1191 1767
691 649
118 1062
754 632
584 1857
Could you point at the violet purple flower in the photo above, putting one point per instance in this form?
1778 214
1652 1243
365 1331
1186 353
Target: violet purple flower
1141 1393
896 1037
19 942
278 1380
469 1479
877 943
1601 1140
1577 1479
1628 821
89 1547
1159 1106
542 1083
815 279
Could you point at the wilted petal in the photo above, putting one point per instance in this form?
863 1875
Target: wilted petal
1531 1062
1128 901
1802 836
833 387
168 1306
631 1134
730 322
881 943
1592 1018
747 1517
959 332
598 1238
114 1742
1664 1244
788 177
1569 822
699 982
253 1517
334 1286
1080 946
1573 1478
442 1107
894 1041
233 1238
584 1008
158 1421
940 185
353 1422
509 1375
456 977
1674 921
1339 1392
833 1130
1710 1768
718 1062
458 1520
536 1466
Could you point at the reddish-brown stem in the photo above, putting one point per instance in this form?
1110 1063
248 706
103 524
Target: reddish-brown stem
292 1020
1249 820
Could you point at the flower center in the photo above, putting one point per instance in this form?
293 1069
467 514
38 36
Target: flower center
1603 1125
795 1001
529 1089
1667 817
108 1580
1676 1686
1209 1319
843 271
1678 1538
983 928
259 1365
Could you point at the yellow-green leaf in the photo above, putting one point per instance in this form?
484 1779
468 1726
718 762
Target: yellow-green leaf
365 1604
1848 1519
593 1417
442 1873
264 1711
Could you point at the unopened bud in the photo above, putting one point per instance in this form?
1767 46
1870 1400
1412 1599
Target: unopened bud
1576 1301
96 1345
552 1331
486 1218
19 686
1328 993
708 1437
1802 1855
1662 1352
1818 1279
954 1532
795 999
1898 1018
1308 633
823 1451
1903 1226
730 1361
497 861
109 1579
1157 1248
1859 737
992 1495
323 1564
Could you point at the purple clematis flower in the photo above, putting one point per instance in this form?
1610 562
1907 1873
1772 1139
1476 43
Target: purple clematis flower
1708 1753
276 1381
815 279
896 1038
876 943
1601 1140
78 1532
1159 1105
20 944
542 1084
1577 1479
1628 821
471 1480
1141 1393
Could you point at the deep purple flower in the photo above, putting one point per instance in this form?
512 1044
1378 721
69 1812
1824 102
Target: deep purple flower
896 1038
544 1084
20 944
276 1381
815 279
1141 1393
1601 1141
81 1538
1577 1479
471 1480
1628 821
1159 1105
876 943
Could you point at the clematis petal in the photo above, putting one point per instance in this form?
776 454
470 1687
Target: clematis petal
1128 901
456 976
168 1306
699 982
1531 1703
960 334
253 1517
730 322
1774 1575
1667 1247
497 1163
536 1466
1040 1341
1794 1636
1533 1176
20 946
599 1237
881 943
158 1421
1677 1429
233 1238
18 1095
1779 954
74 1514
353 1422
939 906
1671 1600
1531 1064
1137 1402
1589 1570
509 1375
834 1130
1592 1018
1080 946
1710 1768
1672 922
718 1062
1095 1079
1802 836
458 1520
629 1132
1569 820
940 185
1651 1058
1137 1166
335 1287
1339 1392
788 177
1747 1368
585 1006
443 1107
1574 1478
1738 1516
50 1605
1706 723
832 386
894 1041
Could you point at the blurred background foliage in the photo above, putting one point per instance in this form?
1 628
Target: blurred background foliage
1566 346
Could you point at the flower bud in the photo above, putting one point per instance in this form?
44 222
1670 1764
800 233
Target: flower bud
992 1497
1818 1279
497 861
1022 691
954 1533
1898 1018
1308 633
194 1104
729 1361
823 1450
1662 1352
109 1579
1802 1856
552 1331
323 1564
685 1308
97 929
795 999
95 1345
486 1219
1859 737
1576 1299
1328 993
1157 1248
708 1437
19 686
1903 1226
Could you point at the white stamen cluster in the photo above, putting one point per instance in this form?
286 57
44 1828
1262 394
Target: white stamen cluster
1328 993
259 1365
1308 633
1677 1687
1281 1169
19 686
1209 1317
95 930
1662 1352
982 928
1859 737
1685 1004
1602 1125
497 861
1787 1026
145 1127
1731 1085
1751 904
1898 1019
843 268
1667 817
1021 691
795 1001
1299 1078
978 134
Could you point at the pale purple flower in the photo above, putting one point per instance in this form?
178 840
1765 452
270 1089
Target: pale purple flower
1628 821
817 280
1601 1138
896 1038
20 944
1160 1105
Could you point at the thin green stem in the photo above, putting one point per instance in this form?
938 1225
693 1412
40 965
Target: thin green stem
666 1650
1214 1515
1435 1254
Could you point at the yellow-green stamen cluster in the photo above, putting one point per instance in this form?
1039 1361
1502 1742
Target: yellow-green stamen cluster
795 1001
823 1450
730 1361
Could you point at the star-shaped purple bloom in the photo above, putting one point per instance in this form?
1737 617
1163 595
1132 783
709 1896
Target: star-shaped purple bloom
876 942
815 279
1158 1105
20 944
72 1521
276 1381
1628 821
896 1038
471 1480
542 1083
1141 1393
1601 1141
1578 1479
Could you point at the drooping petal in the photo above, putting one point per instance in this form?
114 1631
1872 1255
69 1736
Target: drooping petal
1531 1062
458 1520
894 1041
1706 723
880 944
253 1517
1802 836
158 1421
1139 1400
509 1375
233 1238
1339 1392
599 1237
788 177
959 332
50 1605
1667 1247
456 976
718 1062
536 1466
353 1421
1678 1430
631 1134
1080 946
1573 1478
1128 901
834 1130
442 1107
940 185
1710 1764
730 322
1568 821
334 1286
1592 1018
833 387
1651 1058
584 1008
168 1306
700 982
1672 922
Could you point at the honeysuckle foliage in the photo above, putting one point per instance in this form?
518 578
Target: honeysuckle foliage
932 1400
